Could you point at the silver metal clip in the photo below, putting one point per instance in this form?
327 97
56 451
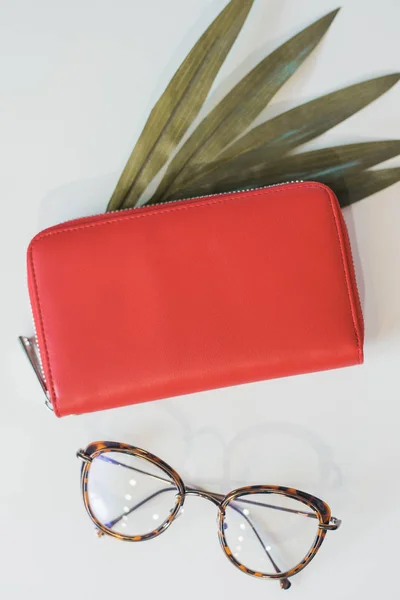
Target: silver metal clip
29 346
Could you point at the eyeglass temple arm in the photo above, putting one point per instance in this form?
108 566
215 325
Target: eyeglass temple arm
112 523
285 583
220 497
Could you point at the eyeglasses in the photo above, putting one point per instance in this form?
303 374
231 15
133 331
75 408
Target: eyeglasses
267 531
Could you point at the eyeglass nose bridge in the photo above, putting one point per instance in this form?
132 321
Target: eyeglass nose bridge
216 499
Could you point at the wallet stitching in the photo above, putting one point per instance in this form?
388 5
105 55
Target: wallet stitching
205 203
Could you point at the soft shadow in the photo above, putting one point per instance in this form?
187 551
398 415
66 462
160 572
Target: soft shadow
236 471
377 233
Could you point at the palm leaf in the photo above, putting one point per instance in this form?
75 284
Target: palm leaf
285 132
360 185
327 165
180 103
235 113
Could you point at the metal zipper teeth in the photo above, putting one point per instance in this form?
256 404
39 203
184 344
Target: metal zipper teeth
150 206
39 355
264 187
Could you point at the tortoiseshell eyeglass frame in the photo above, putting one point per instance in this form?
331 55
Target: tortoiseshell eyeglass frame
321 510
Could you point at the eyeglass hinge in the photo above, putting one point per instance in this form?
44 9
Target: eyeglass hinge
83 457
332 525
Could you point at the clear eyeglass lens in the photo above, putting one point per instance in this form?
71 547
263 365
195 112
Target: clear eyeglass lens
269 533
130 495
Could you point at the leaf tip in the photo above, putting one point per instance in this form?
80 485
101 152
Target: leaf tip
388 81
325 22
331 15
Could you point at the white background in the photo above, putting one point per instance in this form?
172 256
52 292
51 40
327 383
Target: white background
78 79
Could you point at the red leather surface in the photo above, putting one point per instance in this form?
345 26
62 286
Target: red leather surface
177 298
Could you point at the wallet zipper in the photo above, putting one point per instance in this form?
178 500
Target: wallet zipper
48 402
254 189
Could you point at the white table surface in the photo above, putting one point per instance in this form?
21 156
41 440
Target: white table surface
78 79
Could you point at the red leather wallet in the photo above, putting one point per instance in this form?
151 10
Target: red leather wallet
198 294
